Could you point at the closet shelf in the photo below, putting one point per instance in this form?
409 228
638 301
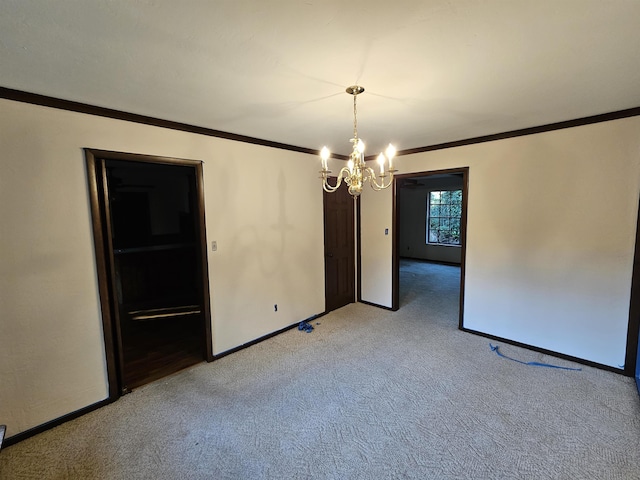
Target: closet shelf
153 248
157 313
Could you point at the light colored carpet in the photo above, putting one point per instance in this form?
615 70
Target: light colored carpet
369 394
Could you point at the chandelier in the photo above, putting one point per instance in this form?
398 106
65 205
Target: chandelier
356 173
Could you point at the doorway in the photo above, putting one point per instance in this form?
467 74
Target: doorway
148 219
413 237
339 248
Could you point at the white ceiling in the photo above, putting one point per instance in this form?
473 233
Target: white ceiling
434 70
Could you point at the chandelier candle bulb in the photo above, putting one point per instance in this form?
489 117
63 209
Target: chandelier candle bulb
324 156
391 152
381 163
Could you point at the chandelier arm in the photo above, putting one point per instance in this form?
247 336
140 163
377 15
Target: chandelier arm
374 183
325 184
372 180
328 188
344 172
367 173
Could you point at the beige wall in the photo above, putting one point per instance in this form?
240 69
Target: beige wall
550 237
263 207
376 234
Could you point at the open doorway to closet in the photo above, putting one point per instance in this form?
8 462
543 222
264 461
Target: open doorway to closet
430 237
148 220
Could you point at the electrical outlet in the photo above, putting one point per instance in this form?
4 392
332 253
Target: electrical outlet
214 246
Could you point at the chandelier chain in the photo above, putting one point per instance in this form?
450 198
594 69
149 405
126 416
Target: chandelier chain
355 120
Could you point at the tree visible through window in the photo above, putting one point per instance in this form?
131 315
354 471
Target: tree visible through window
443 217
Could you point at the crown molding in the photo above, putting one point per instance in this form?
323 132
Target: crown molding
61 104
52 102
604 117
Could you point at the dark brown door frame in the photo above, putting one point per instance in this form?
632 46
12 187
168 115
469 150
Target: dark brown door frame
395 288
631 357
96 177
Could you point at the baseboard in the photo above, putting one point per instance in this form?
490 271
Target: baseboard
544 351
18 437
267 336
377 305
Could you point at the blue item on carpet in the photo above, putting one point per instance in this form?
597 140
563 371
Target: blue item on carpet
533 364
305 326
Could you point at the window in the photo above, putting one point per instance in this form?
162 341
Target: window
443 217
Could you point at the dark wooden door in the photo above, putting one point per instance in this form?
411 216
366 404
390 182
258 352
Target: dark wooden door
339 254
